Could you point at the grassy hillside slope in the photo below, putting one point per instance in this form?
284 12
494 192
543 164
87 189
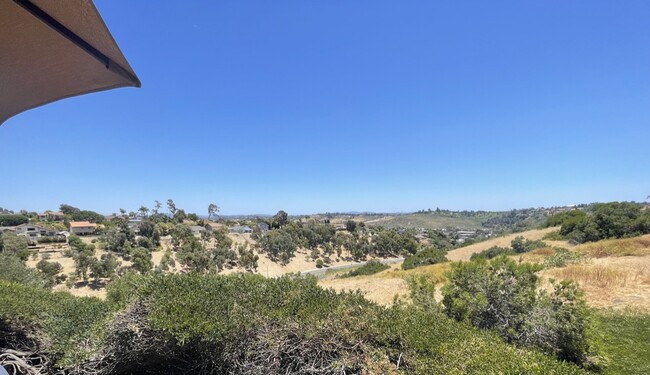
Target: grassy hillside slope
464 253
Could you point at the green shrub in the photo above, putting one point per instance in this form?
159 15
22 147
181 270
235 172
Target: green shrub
52 239
247 324
59 321
553 236
502 295
606 220
49 270
521 245
13 269
13 244
561 258
425 257
370 268
13 220
492 252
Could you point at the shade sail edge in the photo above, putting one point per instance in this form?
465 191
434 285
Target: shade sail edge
107 88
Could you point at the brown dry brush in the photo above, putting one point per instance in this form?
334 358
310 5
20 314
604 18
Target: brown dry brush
21 352
131 347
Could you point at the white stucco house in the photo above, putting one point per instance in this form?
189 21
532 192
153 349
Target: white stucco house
33 231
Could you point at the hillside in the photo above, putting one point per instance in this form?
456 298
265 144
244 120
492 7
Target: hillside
426 221
464 253
492 221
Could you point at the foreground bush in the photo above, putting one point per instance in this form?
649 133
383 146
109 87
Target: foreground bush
14 269
504 296
246 324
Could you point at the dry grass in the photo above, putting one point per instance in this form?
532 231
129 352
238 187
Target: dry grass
434 272
534 256
601 276
636 246
464 253
384 286
616 282
544 251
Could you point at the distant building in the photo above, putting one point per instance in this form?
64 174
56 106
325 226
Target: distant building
465 234
82 227
33 231
214 226
241 229
197 229
264 227
51 216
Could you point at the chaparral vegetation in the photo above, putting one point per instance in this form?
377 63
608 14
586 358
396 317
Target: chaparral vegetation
185 294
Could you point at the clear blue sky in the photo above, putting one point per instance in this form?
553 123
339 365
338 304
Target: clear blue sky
313 106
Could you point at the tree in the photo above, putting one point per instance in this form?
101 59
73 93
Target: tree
247 258
193 255
279 245
114 240
141 260
149 229
392 243
143 211
350 225
67 209
180 234
171 206
517 245
13 244
49 270
179 216
156 207
213 209
280 219
105 267
13 220
84 260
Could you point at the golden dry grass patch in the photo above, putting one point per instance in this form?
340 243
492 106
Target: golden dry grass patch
464 253
379 290
636 246
434 272
616 282
382 287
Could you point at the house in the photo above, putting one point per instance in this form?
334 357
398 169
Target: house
197 229
214 226
241 229
51 216
264 227
34 231
82 227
